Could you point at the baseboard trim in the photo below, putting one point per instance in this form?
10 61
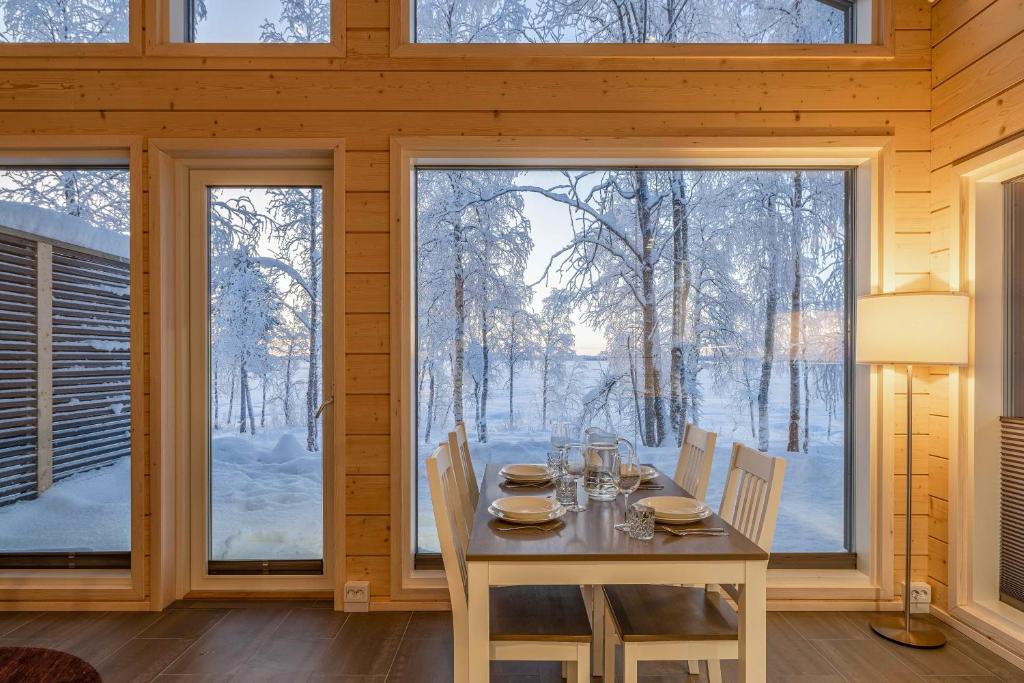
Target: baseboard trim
977 636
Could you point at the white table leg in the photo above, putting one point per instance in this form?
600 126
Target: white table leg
753 624
479 648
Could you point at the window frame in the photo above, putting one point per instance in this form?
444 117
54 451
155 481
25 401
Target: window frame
872 156
111 583
161 42
171 160
132 48
875 21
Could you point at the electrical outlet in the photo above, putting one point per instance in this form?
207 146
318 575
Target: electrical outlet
357 596
920 597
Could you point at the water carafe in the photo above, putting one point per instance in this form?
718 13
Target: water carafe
601 449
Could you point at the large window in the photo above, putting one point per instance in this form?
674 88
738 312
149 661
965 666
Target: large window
633 21
637 300
63 21
65 375
257 21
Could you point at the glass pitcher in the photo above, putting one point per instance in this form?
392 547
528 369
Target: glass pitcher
602 447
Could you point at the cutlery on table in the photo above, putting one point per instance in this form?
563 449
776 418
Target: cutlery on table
650 487
693 532
532 527
518 485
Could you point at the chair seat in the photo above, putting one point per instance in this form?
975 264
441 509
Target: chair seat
532 613
670 613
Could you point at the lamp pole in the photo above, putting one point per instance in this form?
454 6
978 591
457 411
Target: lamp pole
890 627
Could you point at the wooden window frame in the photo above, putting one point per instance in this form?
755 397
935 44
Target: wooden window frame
173 510
872 582
98 588
159 41
132 48
976 400
881 44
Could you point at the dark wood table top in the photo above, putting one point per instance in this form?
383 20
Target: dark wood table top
590 535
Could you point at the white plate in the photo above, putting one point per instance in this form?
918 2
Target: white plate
677 509
524 508
557 513
525 472
647 473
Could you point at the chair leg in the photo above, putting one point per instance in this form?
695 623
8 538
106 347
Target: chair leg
630 665
693 666
610 636
569 671
582 664
597 622
714 671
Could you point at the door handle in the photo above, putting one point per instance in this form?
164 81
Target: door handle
323 406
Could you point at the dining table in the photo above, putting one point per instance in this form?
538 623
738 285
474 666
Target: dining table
587 550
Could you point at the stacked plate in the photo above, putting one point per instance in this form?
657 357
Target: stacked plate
677 509
647 473
526 509
528 473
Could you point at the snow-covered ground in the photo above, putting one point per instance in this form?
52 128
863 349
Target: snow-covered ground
266 504
811 515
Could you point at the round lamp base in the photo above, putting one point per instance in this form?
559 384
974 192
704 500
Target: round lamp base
918 635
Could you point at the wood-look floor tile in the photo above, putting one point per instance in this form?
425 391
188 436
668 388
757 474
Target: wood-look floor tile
864 660
429 626
194 678
366 645
995 664
12 620
230 642
423 660
55 626
141 659
962 679
824 625
790 654
98 638
305 623
283 659
943 661
184 623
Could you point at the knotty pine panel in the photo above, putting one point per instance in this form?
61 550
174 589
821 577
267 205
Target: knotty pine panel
368 454
986 30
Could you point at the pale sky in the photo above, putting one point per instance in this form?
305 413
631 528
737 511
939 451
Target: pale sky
236 21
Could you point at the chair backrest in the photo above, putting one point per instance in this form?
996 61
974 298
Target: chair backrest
753 490
451 526
462 460
693 469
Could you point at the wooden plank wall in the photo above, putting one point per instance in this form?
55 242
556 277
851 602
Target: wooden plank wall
368 97
977 102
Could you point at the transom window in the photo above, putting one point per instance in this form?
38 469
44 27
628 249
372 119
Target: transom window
633 21
637 300
257 21
63 21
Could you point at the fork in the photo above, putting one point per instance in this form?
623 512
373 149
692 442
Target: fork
529 527
694 532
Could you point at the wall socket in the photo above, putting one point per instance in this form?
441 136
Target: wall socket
357 596
920 597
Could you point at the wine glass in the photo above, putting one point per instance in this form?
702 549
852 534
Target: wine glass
559 435
574 462
626 474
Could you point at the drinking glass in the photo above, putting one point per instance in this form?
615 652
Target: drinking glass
560 436
574 462
626 474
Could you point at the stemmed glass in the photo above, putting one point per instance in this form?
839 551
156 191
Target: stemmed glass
560 440
626 474
574 462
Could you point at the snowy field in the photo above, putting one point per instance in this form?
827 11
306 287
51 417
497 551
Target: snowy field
811 516
267 504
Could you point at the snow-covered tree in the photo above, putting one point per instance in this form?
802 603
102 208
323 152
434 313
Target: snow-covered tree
64 21
300 21
100 196
555 348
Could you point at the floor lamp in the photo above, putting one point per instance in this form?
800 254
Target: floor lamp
927 328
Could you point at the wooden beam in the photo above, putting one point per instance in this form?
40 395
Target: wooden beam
44 366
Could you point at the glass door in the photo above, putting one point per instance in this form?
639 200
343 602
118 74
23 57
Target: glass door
261 381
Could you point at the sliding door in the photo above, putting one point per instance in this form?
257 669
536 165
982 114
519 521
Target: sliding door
260 377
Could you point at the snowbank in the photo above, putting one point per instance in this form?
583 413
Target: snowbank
62 228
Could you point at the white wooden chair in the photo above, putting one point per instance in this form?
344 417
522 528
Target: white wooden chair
693 469
527 623
462 461
679 623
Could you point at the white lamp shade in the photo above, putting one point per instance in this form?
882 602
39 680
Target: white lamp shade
926 328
